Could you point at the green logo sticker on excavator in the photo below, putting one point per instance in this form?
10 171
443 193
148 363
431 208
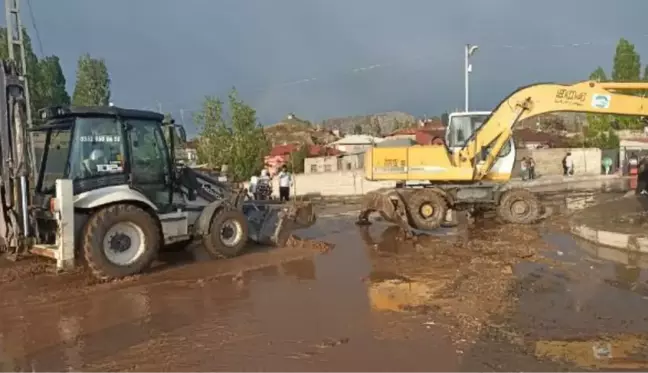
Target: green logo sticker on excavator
601 101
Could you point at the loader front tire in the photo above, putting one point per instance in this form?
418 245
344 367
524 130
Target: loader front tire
119 241
426 209
519 206
228 234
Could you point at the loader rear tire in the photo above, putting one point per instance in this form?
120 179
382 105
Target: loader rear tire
519 206
228 234
120 241
426 209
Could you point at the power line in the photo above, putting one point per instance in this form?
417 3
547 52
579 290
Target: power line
377 66
33 21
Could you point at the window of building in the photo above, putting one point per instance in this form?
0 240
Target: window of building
313 168
348 166
327 168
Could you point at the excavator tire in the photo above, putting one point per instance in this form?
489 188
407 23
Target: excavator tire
426 209
228 234
119 241
519 206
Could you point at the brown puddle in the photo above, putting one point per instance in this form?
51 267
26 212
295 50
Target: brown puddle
481 299
618 352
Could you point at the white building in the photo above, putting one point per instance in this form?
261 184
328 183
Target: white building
355 143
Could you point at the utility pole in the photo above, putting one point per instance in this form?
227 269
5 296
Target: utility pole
15 39
468 52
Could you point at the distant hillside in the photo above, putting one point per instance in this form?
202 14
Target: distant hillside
373 124
297 131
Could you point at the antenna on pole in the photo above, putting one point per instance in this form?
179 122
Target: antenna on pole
15 40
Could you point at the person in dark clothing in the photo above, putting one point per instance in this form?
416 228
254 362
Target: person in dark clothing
531 163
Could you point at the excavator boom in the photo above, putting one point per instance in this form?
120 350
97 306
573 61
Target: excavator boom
585 97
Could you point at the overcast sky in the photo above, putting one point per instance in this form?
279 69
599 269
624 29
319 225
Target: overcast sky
177 51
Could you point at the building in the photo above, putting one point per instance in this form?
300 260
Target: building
334 163
530 139
355 143
280 155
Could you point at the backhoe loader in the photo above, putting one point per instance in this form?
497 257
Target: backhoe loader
471 170
106 188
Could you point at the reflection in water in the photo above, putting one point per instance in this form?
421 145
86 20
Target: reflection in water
618 352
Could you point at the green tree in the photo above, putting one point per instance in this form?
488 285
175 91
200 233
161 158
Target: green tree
239 143
51 84
357 129
32 73
92 82
297 159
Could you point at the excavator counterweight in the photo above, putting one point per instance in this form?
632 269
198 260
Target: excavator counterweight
471 170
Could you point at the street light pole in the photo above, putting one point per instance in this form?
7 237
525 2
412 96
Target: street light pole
469 51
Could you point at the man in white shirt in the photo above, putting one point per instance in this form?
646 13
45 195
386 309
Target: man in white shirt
285 182
569 164
254 180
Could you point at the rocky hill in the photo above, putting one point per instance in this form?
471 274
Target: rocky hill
373 124
297 131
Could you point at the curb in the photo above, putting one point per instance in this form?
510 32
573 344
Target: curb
617 240
633 242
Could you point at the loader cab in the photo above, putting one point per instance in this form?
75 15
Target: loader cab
99 147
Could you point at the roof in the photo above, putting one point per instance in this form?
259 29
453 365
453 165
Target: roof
432 128
73 111
396 143
357 140
313 150
528 135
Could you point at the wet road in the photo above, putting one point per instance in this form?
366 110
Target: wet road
532 299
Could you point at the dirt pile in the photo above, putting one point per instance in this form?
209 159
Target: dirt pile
465 280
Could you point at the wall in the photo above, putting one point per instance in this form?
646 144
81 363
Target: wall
351 162
549 161
348 183
341 183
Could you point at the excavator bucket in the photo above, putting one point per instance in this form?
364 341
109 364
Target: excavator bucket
388 203
271 223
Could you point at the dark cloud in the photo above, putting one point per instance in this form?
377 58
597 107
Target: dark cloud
175 52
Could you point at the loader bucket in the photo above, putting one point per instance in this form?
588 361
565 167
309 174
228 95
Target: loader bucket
271 223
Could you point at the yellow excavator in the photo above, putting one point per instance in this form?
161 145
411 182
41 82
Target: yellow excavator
471 170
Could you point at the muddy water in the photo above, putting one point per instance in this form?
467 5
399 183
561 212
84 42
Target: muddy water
490 298
311 313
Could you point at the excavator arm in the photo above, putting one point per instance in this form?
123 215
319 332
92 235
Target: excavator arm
585 97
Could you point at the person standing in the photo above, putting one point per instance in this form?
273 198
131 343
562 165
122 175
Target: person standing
524 169
569 164
285 182
264 186
531 163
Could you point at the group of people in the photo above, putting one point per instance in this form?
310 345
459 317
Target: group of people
527 168
261 186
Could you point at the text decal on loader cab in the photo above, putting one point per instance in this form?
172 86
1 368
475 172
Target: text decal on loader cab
570 97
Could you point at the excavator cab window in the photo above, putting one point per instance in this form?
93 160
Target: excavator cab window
461 126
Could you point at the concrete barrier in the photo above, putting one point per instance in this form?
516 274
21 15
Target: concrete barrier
596 224
349 184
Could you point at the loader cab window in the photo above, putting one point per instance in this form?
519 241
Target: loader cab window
150 161
461 127
55 159
97 148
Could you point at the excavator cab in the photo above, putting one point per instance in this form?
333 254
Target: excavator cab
462 127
